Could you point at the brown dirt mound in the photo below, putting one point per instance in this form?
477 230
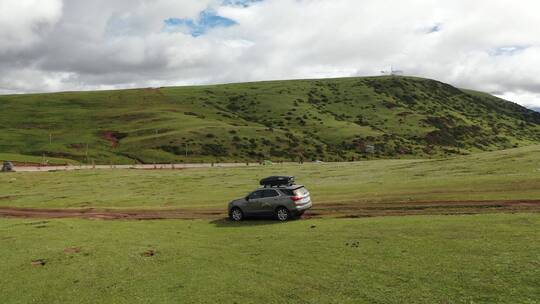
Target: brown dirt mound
336 210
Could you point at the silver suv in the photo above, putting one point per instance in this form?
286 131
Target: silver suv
278 197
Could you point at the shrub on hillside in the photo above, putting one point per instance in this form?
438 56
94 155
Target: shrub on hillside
214 149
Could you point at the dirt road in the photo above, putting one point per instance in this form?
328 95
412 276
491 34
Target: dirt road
347 210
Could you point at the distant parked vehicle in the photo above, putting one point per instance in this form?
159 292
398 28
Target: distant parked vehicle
278 196
8 167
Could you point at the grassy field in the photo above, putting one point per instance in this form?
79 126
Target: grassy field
487 258
419 259
29 159
327 119
503 175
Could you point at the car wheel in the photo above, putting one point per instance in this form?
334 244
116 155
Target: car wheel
282 214
236 214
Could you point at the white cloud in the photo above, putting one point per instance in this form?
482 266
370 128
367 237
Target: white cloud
522 97
23 22
485 45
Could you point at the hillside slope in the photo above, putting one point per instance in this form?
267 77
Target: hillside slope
330 119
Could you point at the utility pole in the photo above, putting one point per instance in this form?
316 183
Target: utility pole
186 149
50 138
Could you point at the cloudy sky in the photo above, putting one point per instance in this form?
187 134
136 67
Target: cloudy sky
57 45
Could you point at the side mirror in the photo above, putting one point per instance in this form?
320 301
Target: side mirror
247 198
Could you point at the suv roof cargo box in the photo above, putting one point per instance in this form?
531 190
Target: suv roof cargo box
275 181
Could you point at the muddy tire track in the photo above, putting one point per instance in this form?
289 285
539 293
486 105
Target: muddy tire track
334 210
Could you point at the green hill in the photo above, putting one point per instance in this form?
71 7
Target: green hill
327 119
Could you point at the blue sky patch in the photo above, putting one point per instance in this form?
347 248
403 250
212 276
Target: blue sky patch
435 28
508 50
207 20
244 3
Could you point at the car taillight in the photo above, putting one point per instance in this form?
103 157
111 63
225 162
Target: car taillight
296 198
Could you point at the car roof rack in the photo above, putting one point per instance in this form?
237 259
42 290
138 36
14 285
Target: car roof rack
277 181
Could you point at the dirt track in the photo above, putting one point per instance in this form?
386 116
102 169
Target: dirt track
346 210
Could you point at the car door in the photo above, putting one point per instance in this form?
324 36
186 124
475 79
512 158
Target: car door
253 205
269 201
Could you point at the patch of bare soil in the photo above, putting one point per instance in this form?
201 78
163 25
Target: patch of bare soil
39 262
335 210
149 253
72 250
113 137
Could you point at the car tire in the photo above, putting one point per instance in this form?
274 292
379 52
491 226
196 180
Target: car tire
236 214
283 214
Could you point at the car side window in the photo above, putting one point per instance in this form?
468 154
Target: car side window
270 193
288 192
256 194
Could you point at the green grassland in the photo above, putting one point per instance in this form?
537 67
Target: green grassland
419 259
501 175
437 134
327 119
29 159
